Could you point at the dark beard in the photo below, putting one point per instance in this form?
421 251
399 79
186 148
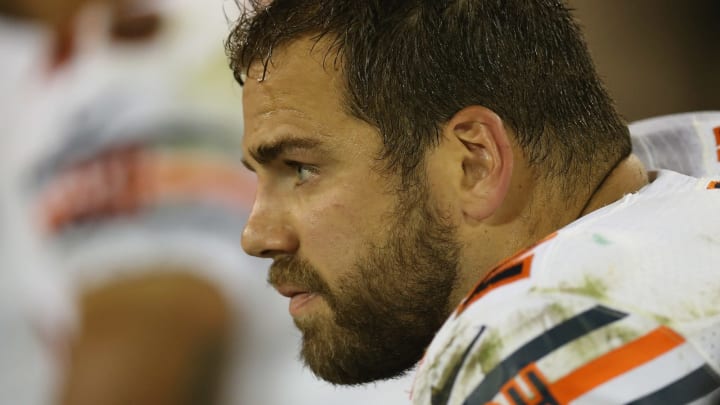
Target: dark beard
386 312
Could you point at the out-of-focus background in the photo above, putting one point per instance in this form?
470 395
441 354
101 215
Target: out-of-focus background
123 198
657 57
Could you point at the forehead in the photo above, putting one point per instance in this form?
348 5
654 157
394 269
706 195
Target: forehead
302 85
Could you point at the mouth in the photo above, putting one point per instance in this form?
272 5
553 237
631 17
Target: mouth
290 290
299 298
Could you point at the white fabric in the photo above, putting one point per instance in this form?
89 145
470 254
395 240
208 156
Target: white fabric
687 143
36 313
652 256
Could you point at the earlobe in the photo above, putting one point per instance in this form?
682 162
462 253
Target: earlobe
487 160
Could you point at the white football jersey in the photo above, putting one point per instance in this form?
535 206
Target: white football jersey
687 143
621 306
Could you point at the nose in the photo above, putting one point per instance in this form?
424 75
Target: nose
267 232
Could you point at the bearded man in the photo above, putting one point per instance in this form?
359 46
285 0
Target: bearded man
403 149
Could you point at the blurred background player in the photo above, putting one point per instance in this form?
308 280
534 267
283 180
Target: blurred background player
36 311
140 197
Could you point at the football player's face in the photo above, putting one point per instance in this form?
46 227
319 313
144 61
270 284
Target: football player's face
368 266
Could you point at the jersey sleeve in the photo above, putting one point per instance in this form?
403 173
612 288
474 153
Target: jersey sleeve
561 349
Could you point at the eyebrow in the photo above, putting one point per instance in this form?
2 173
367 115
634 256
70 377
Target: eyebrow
267 152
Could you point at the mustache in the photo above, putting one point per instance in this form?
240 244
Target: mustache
298 272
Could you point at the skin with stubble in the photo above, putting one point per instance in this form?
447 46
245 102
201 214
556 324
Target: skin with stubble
351 296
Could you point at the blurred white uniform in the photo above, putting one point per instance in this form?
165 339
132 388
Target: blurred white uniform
36 311
688 143
145 170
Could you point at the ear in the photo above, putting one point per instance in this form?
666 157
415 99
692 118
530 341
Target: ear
486 159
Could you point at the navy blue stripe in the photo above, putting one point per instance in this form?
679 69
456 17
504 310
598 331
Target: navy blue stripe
517 399
442 396
539 347
693 386
547 398
513 271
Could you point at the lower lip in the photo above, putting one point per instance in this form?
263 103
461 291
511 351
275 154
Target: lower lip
299 301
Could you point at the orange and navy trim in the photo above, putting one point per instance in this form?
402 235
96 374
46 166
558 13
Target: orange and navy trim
522 364
615 363
715 184
537 348
498 378
509 271
537 384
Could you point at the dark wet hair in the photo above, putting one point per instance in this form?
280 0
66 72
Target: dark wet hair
410 65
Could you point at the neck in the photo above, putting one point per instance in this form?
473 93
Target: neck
627 177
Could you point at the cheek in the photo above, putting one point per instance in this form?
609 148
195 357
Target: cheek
336 230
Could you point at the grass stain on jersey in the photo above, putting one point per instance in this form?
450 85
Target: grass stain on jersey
588 348
594 345
489 353
446 369
600 240
479 363
590 287
662 319
695 311
559 311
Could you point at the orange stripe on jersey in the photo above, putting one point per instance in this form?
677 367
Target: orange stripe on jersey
534 380
512 269
615 363
510 273
713 184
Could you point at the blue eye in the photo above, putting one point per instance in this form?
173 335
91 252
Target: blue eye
303 172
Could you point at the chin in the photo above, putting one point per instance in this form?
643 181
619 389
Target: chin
343 357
